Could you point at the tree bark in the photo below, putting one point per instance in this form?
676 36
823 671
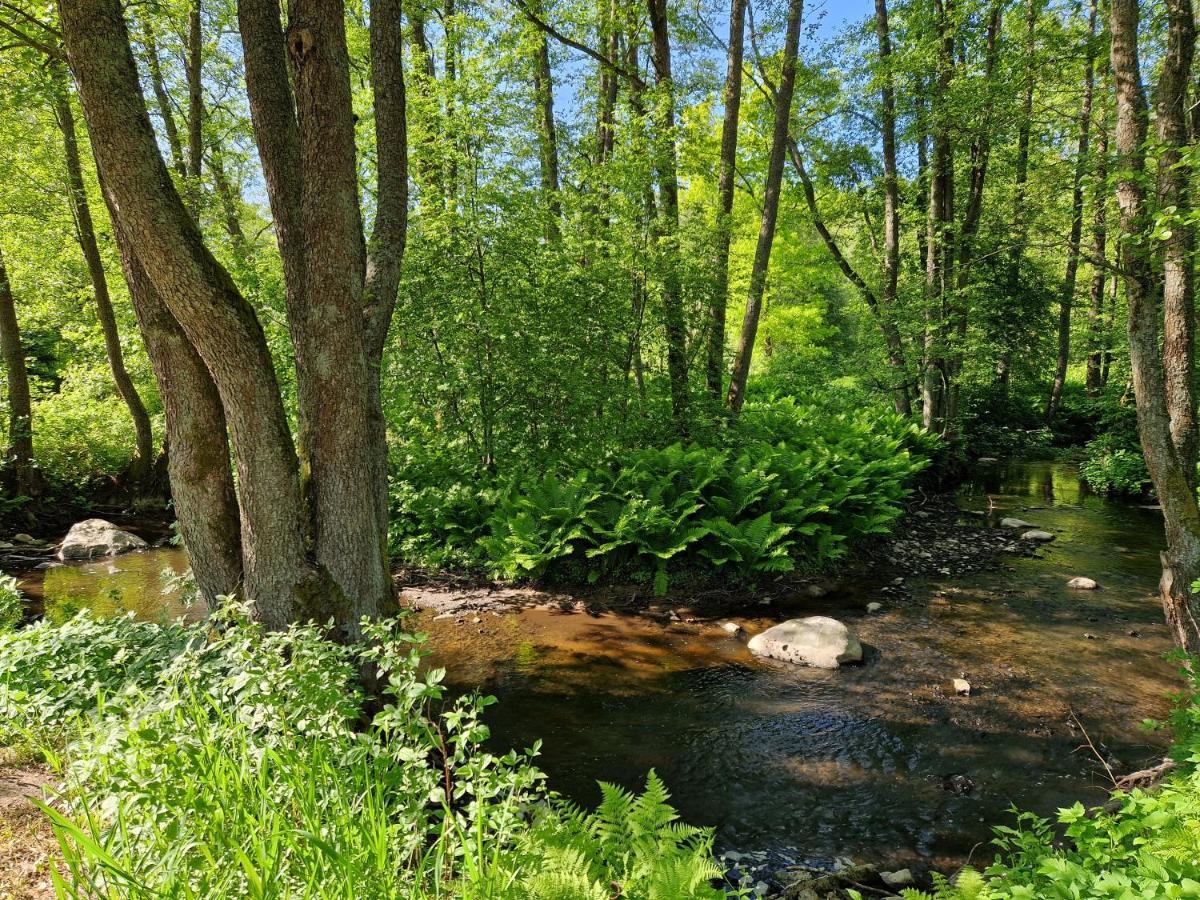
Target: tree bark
1067 300
1178 298
279 582
138 472
766 232
666 167
20 406
725 184
1172 482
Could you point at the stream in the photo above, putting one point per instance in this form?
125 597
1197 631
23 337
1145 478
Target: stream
881 762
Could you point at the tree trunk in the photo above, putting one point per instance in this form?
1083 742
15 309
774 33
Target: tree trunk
725 183
1178 299
162 98
891 214
202 488
543 89
1172 481
229 196
19 455
981 150
143 450
279 582
195 111
1021 178
666 167
1067 301
939 242
770 212
1097 329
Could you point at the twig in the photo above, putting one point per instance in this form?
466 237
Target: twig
1095 752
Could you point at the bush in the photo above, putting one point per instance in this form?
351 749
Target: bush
12 605
1111 466
233 763
786 486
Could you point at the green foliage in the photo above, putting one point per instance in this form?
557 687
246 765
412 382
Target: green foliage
786 485
219 761
12 606
1112 467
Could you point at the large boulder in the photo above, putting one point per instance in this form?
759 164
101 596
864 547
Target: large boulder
95 537
815 641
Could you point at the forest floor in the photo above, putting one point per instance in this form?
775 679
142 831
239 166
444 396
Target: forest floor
27 845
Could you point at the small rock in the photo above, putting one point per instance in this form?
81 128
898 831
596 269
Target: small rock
874 606
1089 636
1038 536
476 620
814 591
23 538
899 878
7 545
732 628
762 888
1009 522
962 687
1134 633
986 461
817 641
1080 583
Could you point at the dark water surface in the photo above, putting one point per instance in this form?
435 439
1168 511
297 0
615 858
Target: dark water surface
854 762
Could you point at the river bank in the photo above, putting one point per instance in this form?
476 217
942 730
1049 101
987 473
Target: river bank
882 763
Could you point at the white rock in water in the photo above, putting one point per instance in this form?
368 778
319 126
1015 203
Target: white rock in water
731 628
96 537
1082 583
23 538
1037 535
899 878
815 641
1009 522
874 606
961 686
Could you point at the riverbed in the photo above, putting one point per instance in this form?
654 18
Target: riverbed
881 762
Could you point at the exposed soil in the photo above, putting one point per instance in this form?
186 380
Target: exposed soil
27 845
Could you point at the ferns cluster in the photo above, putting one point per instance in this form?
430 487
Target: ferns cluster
786 486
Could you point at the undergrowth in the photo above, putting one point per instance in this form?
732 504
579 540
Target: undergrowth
783 487
219 761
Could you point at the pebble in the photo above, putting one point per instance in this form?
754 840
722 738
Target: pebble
23 538
732 628
1082 583
1037 535
874 606
962 687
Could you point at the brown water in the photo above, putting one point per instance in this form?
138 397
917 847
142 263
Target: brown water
853 762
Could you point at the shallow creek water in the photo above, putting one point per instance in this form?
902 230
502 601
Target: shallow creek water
818 764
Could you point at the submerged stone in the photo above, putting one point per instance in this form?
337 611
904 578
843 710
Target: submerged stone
817 641
1082 583
1037 535
1009 522
96 537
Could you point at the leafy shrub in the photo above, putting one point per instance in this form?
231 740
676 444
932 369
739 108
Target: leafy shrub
12 607
233 763
787 485
1111 466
